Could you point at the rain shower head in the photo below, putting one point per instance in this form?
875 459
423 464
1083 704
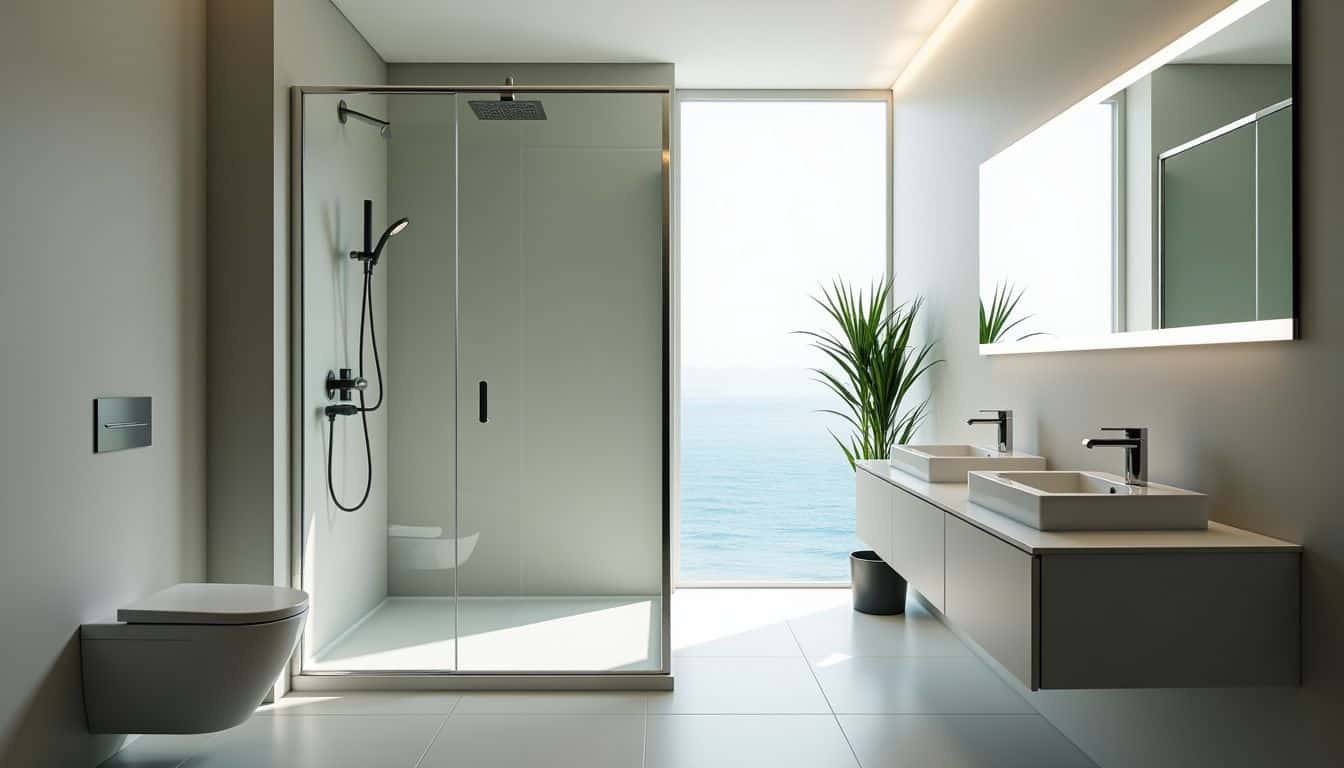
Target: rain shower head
508 108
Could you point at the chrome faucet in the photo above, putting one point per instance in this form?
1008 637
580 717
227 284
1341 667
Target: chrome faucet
1005 421
1135 443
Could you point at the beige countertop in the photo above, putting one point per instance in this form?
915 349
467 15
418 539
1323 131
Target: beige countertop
953 499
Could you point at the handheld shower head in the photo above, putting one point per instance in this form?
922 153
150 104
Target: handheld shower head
397 228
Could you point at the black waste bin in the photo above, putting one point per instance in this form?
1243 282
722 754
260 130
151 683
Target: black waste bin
877 588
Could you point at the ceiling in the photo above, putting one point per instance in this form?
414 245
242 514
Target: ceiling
1263 36
713 43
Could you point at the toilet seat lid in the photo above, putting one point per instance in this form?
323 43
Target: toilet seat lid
216 604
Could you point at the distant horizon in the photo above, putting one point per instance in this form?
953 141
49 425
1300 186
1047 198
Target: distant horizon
775 383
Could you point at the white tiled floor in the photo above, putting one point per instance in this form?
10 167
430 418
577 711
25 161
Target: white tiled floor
780 678
741 686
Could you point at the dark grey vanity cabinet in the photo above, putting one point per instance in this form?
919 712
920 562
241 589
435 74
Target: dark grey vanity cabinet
1091 609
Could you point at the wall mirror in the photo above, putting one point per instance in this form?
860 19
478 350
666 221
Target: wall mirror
1158 211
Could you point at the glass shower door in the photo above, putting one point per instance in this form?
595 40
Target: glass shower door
560 400
516 517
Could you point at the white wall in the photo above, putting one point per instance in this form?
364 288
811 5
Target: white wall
346 552
258 49
240 306
102 149
315 45
1255 426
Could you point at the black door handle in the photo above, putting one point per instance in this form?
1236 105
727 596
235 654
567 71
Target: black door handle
484 412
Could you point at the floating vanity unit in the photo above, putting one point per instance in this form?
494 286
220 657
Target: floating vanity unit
1205 606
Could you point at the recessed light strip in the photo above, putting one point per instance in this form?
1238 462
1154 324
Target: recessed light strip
931 45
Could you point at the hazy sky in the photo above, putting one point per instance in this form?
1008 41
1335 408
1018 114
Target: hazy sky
776 198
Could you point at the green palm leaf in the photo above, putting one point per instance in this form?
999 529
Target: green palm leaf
876 365
997 320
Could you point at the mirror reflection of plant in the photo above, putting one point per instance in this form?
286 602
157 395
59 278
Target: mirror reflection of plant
878 364
998 320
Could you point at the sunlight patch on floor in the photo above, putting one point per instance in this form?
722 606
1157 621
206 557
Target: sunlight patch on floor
704 616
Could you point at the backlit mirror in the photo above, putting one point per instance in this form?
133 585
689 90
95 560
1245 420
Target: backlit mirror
1158 211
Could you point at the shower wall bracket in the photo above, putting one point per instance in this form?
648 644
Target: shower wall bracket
344 112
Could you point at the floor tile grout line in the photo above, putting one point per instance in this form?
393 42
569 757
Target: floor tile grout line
731 657
644 747
1062 735
781 714
357 714
740 714
425 752
1034 710
813 672
966 655
945 715
724 713
190 756
553 713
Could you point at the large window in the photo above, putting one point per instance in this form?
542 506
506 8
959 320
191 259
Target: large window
777 198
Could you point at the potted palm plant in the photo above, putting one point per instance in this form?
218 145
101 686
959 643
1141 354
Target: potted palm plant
876 363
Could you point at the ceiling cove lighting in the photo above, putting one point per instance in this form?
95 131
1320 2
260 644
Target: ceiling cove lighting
930 47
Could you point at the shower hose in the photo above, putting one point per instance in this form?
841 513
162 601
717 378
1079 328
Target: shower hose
365 313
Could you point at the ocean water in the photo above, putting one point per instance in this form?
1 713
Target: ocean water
766 494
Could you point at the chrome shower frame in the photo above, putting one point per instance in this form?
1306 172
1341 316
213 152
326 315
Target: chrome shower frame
310 680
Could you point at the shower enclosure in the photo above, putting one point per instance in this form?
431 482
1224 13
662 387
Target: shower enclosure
516 527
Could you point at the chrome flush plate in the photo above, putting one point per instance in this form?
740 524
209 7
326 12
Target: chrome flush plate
121 422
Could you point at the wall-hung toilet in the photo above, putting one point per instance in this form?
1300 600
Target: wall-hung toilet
193 658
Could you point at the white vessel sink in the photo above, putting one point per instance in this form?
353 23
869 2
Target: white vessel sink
1087 501
950 463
